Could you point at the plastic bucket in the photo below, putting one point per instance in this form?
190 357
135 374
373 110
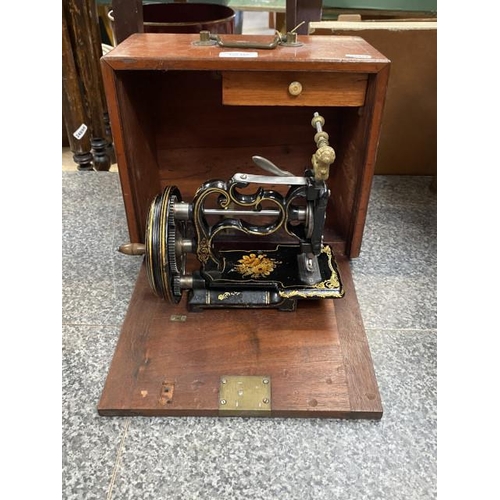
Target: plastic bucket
188 18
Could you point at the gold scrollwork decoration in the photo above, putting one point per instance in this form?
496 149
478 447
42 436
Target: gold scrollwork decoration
327 288
203 250
226 295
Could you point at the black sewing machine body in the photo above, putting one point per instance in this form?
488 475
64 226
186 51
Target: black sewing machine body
253 241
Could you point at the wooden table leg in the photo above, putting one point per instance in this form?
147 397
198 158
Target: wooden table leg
75 116
83 29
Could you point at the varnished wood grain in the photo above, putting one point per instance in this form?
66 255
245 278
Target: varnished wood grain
351 179
131 354
315 361
272 89
371 124
134 139
176 51
362 384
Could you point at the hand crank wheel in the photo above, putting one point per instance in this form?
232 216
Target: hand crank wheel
163 265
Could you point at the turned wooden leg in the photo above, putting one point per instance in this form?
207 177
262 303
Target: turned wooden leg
83 29
102 160
75 116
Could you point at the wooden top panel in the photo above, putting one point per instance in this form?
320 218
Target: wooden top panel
160 51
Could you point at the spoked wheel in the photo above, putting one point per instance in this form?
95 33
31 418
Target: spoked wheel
163 263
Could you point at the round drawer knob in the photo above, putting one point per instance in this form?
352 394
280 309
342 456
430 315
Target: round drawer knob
295 88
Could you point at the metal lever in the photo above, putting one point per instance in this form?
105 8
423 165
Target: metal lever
268 165
269 179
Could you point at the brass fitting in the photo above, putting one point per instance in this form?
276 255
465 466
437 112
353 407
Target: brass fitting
325 154
321 161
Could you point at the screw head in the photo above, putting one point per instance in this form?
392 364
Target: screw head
223 401
265 381
265 401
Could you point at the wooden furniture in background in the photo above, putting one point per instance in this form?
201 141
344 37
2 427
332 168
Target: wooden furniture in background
298 11
408 141
129 16
178 120
379 9
74 113
84 101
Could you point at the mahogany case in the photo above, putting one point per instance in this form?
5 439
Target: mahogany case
182 114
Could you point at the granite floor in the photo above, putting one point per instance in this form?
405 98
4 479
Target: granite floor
230 458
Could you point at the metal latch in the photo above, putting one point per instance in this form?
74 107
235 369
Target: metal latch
245 395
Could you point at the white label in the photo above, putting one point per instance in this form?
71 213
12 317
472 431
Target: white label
80 131
238 54
359 56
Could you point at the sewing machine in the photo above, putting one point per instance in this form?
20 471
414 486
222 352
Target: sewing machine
257 247
255 240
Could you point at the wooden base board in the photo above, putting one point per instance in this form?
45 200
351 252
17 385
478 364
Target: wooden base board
169 362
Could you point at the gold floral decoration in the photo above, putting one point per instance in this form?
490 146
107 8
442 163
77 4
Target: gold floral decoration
255 266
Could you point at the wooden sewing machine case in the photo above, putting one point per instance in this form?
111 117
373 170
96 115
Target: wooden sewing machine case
182 114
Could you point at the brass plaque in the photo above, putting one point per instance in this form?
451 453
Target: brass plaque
245 395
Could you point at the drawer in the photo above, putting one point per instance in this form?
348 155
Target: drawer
262 88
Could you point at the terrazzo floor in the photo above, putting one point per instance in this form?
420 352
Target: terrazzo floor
209 458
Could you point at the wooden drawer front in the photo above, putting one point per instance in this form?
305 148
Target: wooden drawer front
261 88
